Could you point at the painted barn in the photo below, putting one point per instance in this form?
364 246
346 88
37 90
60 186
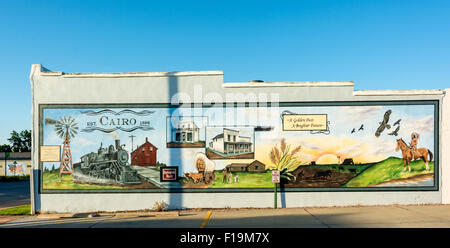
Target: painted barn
255 166
144 155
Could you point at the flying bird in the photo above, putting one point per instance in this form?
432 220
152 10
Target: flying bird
361 128
384 124
353 130
397 122
395 132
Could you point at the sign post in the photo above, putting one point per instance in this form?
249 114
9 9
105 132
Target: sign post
276 181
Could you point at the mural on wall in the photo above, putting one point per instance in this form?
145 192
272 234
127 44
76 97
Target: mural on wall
16 169
354 146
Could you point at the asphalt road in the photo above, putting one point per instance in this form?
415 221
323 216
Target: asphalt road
14 193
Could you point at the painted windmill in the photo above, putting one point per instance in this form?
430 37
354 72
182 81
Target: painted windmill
66 128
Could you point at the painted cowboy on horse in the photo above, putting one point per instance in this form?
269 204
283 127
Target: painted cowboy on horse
413 143
411 152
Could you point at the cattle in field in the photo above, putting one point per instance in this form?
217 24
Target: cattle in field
325 174
195 177
186 175
300 175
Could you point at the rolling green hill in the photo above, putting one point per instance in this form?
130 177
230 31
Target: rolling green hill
388 169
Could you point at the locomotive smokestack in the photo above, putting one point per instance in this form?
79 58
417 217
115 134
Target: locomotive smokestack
117 144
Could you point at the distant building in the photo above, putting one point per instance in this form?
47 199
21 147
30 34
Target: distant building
237 167
185 132
254 166
348 161
144 155
229 142
17 160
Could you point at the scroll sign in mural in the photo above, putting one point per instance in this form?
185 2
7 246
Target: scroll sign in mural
322 146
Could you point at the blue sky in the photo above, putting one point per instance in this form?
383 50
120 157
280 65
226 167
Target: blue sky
377 44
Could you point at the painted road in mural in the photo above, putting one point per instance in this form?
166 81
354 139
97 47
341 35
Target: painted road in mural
374 146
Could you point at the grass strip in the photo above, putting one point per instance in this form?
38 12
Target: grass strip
17 210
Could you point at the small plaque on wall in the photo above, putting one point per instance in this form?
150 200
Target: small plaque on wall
297 122
169 174
50 153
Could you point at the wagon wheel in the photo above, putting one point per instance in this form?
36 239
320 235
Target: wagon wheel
206 178
209 177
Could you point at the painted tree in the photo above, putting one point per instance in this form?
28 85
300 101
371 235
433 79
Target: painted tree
285 159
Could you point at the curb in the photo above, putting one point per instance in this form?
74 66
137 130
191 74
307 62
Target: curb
117 215
148 214
54 216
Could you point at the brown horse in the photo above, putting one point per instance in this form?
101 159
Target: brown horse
409 155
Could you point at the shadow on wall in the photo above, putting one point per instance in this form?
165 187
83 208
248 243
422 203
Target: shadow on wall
175 199
283 195
37 197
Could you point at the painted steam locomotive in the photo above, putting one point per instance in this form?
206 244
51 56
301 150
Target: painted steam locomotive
107 166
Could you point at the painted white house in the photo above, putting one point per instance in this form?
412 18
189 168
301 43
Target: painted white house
229 142
185 132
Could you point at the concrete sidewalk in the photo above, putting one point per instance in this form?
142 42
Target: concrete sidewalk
398 216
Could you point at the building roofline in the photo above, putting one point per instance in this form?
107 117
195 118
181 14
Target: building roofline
143 145
45 72
230 129
42 71
289 84
16 156
397 92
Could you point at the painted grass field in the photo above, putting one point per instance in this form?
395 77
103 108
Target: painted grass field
387 170
343 168
51 180
246 180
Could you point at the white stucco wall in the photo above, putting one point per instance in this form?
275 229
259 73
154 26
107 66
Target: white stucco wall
445 147
60 88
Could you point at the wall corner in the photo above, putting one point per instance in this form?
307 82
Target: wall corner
445 147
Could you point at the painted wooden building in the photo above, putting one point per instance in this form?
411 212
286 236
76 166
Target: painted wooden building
255 166
230 142
144 155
